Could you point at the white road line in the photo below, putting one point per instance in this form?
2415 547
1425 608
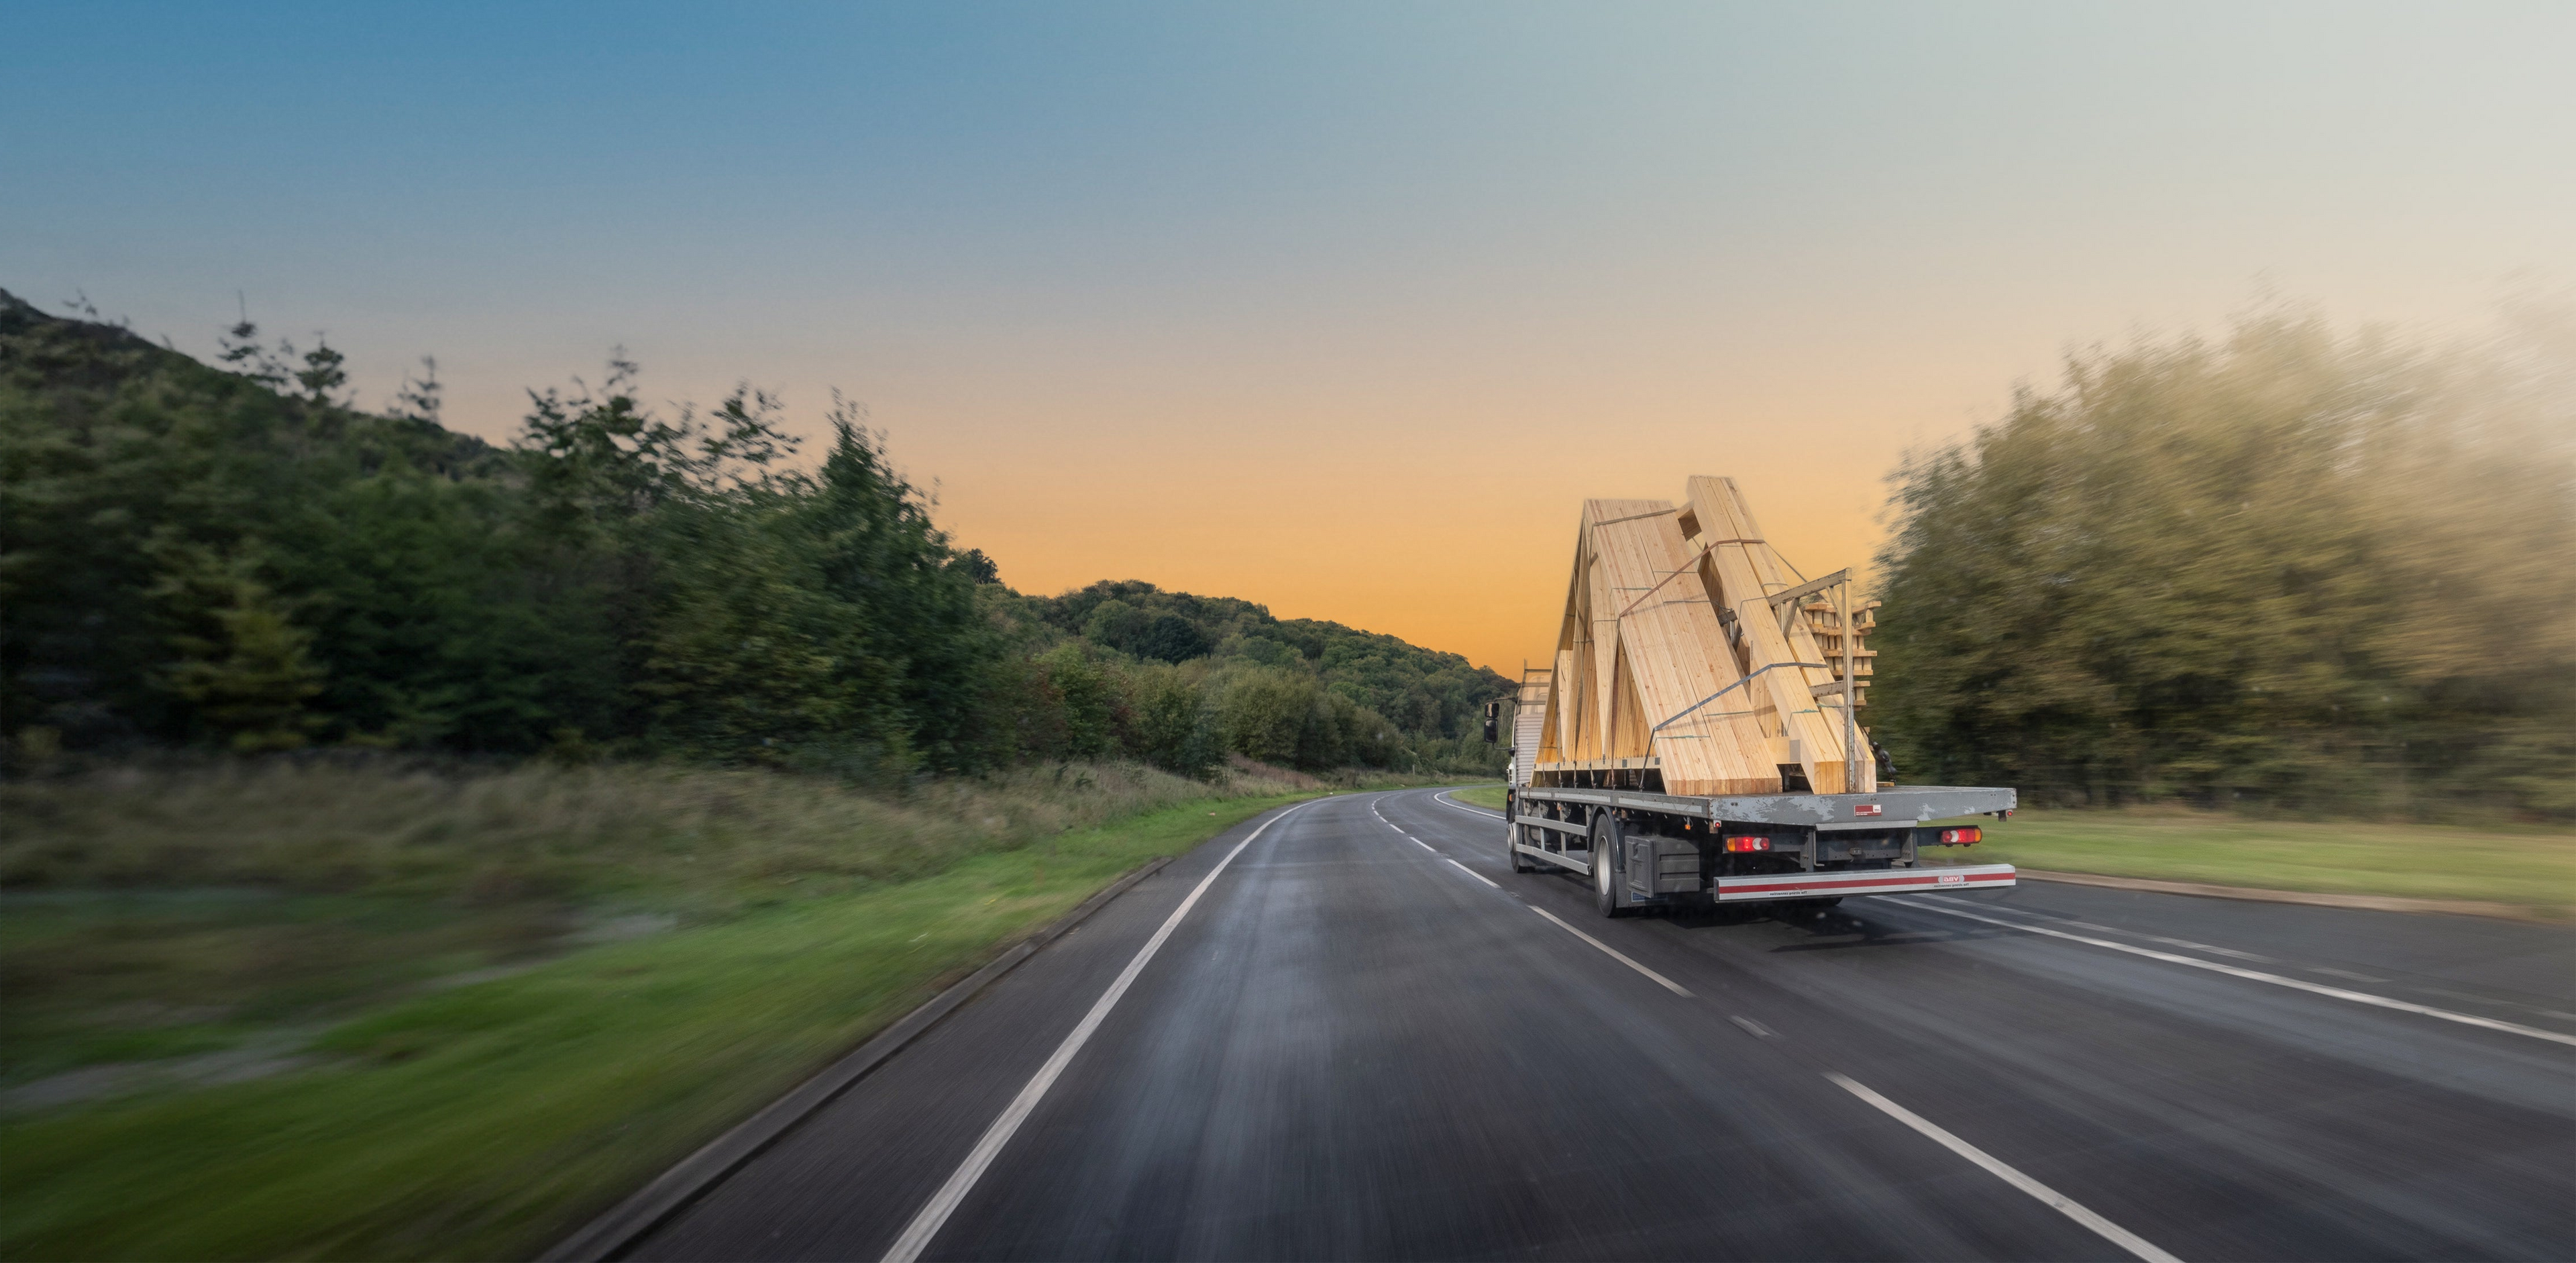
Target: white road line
1752 1027
1381 819
925 1225
2211 948
1444 799
2059 1202
2198 947
2350 976
2155 938
1477 875
1614 953
2357 997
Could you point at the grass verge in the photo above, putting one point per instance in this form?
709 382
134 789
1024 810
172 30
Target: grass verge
1489 797
2530 868
489 1113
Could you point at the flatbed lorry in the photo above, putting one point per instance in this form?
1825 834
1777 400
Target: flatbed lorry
1697 737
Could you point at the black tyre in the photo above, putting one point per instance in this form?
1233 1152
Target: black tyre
1605 866
1514 834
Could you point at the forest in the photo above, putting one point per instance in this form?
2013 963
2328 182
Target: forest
2289 569
236 557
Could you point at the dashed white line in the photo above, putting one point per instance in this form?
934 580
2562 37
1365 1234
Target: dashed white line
1419 842
1614 953
2343 973
1753 1028
1471 872
932 1216
2256 975
2054 1200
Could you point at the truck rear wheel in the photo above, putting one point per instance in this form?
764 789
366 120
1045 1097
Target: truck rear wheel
1605 866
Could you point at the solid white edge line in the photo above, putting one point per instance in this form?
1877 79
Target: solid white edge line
2211 948
2357 997
1468 871
934 1214
2059 1202
1443 798
1614 953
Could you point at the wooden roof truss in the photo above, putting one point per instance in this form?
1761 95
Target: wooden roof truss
1687 648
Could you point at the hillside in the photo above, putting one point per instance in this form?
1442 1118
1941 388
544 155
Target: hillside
239 558
1421 691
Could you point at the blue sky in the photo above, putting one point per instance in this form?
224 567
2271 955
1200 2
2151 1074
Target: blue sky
1230 254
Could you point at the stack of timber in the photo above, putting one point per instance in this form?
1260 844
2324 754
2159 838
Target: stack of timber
1691 661
1824 622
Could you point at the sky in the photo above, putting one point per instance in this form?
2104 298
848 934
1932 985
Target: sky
1340 308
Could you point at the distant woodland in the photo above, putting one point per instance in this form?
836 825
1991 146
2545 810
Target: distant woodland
2289 569
2292 569
236 557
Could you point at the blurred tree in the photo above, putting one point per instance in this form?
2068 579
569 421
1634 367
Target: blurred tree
2290 569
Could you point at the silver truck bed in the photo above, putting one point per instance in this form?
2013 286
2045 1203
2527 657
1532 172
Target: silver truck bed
1896 805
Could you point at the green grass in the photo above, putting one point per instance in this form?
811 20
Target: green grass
480 1120
1489 797
2532 868
148 915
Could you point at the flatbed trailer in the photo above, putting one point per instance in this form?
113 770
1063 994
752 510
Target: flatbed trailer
1643 849
1697 735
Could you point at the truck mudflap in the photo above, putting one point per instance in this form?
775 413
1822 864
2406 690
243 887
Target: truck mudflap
1878 881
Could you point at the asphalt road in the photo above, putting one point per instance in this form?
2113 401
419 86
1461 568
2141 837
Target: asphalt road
1365 1041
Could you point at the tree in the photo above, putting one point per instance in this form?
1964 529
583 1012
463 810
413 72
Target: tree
2290 568
242 664
1171 638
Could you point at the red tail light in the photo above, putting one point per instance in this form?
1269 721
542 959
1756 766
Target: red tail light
1748 844
1962 837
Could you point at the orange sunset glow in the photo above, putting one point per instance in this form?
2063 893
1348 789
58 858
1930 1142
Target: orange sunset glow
1345 311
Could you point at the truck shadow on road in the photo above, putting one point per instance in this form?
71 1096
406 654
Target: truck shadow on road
1825 929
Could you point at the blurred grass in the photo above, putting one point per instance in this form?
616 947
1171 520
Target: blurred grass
462 1041
1489 797
2528 867
722 836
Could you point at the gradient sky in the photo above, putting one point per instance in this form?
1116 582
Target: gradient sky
1339 308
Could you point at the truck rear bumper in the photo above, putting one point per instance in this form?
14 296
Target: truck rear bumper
1885 881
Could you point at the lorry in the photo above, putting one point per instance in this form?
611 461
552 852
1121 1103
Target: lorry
1697 739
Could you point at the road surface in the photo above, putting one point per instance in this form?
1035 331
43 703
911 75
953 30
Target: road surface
1364 1038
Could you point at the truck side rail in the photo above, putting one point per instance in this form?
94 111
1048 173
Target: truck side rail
1896 805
